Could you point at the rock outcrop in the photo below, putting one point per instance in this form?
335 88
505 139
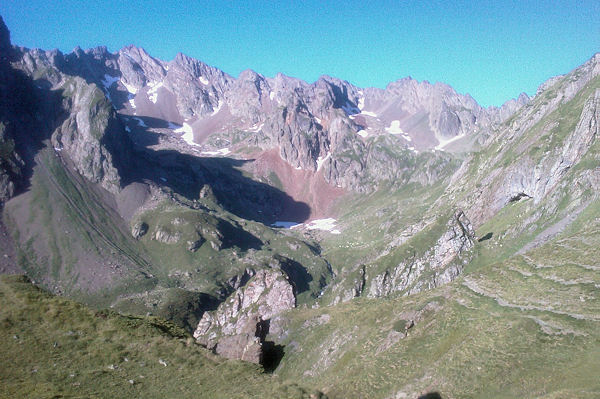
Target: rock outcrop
238 327
139 229
92 135
444 261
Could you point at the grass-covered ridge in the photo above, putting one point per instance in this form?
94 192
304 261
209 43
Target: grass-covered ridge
54 347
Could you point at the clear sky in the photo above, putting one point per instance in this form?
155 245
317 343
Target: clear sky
491 49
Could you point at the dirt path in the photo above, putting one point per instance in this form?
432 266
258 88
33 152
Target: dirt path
552 231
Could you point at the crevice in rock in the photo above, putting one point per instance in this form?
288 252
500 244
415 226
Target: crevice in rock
519 197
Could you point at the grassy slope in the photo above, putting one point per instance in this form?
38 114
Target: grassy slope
61 225
53 347
247 244
524 327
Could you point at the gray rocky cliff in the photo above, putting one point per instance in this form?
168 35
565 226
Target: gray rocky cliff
444 262
18 112
92 135
539 148
238 327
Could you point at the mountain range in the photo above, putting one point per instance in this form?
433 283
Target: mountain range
354 242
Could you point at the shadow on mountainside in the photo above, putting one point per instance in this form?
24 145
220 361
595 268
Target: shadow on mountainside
30 112
297 273
186 174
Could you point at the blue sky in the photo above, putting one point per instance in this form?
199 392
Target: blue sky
491 49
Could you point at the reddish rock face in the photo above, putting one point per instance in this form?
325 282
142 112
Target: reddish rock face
303 186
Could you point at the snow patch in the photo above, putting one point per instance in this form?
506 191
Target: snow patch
323 224
153 92
285 225
221 152
203 80
216 110
132 102
443 143
127 129
362 133
369 113
361 101
272 95
318 120
256 128
395 128
322 160
188 133
130 89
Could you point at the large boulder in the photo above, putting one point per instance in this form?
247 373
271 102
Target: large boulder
238 327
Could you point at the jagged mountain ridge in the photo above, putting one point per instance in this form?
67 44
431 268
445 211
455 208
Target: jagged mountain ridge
329 125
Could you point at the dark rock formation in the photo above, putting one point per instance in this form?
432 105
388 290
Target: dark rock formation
139 229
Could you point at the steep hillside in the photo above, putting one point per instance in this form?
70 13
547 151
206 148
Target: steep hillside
54 347
520 319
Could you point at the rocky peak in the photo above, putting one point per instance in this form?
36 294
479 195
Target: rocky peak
138 67
343 92
196 68
502 113
249 96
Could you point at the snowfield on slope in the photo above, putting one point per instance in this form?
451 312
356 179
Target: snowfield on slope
188 133
327 224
